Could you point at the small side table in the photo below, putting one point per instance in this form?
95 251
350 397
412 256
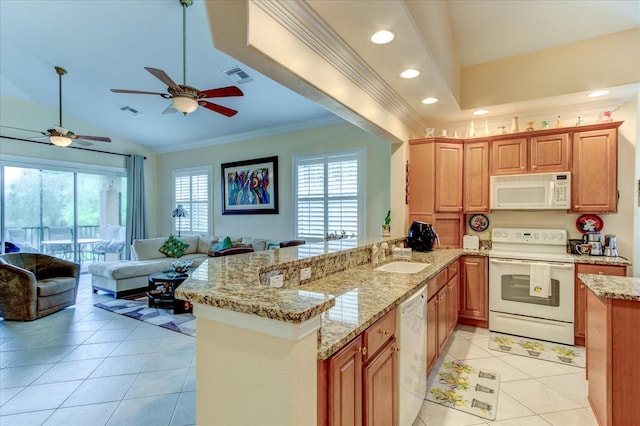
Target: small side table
161 292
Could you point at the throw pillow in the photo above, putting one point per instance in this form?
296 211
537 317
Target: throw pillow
224 244
173 247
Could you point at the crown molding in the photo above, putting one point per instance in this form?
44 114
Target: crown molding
329 120
301 20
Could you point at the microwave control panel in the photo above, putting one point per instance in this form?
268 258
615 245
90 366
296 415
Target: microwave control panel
562 191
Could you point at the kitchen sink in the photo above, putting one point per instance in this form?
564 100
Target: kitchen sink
402 267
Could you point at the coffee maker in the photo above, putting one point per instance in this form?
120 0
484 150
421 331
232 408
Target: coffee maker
422 237
593 239
610 248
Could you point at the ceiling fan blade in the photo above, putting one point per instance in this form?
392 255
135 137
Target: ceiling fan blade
170 110
162 76
221 92
93 138
26 130
139 92
82 143
218 108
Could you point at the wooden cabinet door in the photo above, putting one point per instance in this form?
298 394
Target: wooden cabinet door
595 171
450 228
432 333
509 157
579 323
421 178
380 387
441 307
345 385
549 153
448 177
474 289
476 177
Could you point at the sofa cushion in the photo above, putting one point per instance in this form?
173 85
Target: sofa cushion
205 242
192 240
256 243
147 249
121 269
173 247
51 286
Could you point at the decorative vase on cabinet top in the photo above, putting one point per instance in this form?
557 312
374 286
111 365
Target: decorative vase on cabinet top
514 125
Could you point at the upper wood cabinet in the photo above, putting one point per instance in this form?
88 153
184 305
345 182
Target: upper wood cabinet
549 153
595 171
476 177
531 154
509 156
436 174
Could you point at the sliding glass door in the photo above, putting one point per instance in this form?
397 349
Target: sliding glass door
74 215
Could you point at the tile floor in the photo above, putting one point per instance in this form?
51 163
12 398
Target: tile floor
86 366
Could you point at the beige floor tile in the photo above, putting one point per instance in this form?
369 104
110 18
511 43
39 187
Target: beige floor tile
510 408
538 397
433 414
580 417
522 421
570 386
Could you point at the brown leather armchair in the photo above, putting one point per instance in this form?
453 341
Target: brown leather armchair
33 285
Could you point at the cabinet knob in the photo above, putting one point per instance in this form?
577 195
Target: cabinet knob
576 206
581 286
600 273
533 167
363 351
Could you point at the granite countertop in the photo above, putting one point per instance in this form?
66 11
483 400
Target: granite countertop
612 287
601 260
363 295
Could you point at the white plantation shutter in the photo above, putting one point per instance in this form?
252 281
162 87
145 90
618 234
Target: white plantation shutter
328 190
192 189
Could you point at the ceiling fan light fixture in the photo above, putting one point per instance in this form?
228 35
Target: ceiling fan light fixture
184 104
60 140
382 37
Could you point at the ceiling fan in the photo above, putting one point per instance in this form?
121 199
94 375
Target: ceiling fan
186 98
58 135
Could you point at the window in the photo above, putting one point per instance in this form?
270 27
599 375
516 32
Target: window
192 189
329 190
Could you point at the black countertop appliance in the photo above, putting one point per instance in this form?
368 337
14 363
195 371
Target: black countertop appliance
422 237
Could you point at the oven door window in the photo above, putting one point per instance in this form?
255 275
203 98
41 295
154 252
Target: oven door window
515 288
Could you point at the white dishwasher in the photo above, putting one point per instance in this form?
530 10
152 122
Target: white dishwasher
412 362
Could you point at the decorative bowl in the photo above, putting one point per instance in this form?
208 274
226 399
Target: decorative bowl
181 266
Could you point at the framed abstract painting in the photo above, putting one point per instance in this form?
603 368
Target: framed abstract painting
250 187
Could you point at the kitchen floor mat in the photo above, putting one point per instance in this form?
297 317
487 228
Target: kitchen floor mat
538 349
460 385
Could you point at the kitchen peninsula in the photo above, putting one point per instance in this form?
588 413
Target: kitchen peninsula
258 347
613 348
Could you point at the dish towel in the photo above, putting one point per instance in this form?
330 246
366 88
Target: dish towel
540 280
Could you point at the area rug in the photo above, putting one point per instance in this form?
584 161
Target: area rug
139 309
462 386
538 349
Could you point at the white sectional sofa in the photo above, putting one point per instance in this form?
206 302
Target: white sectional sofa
131 276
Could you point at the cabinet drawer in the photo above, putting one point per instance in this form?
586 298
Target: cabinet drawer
379 333
587 268
452 270
436 283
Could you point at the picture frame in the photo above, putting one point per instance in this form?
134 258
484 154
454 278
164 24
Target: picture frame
250 186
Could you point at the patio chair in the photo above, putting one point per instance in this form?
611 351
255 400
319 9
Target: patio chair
59 241
33 285
113 242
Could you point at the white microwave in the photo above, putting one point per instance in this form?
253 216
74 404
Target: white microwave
539 191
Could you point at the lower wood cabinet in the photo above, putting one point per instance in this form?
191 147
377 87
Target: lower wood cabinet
453 299
432 333
474 291
580 295
358 385
612 348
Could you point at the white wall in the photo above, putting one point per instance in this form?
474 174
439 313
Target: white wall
280 226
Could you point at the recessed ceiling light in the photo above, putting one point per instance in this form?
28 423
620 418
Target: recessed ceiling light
410 73
480 112
597 93
429 101
382 37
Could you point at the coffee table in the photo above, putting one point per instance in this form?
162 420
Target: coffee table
161 292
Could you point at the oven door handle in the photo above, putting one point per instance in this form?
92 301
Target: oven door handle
525 262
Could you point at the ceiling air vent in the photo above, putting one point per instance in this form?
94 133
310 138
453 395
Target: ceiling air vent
131 111
238 75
